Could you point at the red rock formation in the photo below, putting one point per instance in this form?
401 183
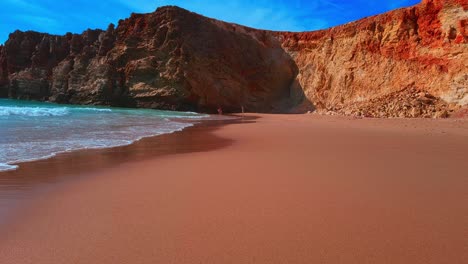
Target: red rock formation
422 47
169 59
175 59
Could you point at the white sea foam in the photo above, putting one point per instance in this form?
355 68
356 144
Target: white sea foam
6 167
32 111
92 109
18 152
44 111
34 131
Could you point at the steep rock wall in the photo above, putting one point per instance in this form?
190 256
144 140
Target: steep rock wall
423 47
170 59
411 62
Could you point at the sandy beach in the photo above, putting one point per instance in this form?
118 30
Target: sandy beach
275 189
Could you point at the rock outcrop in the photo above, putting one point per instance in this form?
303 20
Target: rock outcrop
170 59
381 66
424 47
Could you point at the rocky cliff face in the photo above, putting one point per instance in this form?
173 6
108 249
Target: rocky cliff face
411 62
351 69
169 59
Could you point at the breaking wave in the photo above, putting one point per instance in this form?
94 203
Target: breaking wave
42 111
32 131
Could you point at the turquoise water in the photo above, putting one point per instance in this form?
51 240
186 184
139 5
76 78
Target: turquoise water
33 130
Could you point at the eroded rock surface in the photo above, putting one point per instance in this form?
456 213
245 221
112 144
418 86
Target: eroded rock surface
178 60
169 59
418 48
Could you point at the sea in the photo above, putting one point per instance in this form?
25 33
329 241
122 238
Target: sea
37 130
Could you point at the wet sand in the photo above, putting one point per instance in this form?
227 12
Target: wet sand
280 189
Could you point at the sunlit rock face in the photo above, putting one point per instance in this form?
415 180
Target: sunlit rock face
374 66
410 62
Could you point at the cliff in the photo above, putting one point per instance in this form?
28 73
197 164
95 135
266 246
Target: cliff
170 59
410 62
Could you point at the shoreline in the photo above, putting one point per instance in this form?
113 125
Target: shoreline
16 165
32 177
317 190
100 135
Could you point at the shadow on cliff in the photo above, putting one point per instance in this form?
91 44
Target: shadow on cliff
171 59
295 102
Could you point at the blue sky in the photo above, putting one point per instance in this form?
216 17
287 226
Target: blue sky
59 17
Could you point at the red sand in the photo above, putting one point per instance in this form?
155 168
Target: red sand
289 189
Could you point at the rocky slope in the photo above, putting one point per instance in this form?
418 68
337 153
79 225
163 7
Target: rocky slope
381 66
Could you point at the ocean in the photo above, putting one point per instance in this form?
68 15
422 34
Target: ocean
36 130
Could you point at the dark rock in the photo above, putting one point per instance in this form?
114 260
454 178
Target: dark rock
170 59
